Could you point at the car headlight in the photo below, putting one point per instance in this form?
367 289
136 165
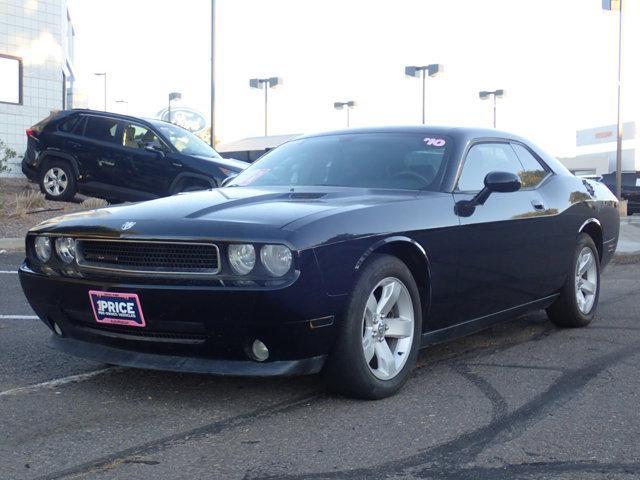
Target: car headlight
43 248
242 258
276 259
66 249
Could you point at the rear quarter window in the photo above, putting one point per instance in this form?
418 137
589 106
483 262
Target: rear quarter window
69 124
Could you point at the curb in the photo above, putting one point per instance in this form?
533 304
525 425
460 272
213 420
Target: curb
12 244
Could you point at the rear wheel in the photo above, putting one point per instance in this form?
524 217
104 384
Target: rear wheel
380 336
57 181
576 305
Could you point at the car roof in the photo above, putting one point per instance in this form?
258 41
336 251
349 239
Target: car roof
467 132
119 116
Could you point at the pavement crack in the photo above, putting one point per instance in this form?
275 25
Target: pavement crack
129 455
444 461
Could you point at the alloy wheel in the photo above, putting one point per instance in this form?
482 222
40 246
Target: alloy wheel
55 181
586 280
388 328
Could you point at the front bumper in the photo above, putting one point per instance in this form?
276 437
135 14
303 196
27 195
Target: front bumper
194 328
174 363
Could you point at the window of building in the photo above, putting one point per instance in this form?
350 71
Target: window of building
10 79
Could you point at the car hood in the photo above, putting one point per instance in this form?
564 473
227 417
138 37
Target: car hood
225 162
227 212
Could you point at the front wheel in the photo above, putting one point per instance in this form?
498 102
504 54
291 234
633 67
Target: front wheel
576 305
380 335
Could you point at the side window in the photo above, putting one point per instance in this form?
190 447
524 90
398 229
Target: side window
137 136
100 128
533 172
483 158
69 124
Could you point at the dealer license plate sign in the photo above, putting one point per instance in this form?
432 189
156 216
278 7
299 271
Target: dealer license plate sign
117 308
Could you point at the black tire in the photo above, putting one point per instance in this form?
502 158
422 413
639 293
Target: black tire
70 187
347 371
564 312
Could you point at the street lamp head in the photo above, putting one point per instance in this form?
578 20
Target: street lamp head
274 81
435 69
175 96
100 74
341 105
499 93
412 71
484 95
255 83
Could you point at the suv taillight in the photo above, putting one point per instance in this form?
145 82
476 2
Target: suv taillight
31 132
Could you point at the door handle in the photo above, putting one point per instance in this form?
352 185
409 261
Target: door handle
176 164
107 163
537 204
75 145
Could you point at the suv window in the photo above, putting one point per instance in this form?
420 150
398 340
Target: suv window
137 136
483 158
69 124
101 128
533 172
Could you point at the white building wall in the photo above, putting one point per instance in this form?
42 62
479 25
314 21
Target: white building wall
37 31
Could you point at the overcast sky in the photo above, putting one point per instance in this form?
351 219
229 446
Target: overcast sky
557 60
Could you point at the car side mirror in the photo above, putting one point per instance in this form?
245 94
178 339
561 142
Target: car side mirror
227 180
500 182
494 182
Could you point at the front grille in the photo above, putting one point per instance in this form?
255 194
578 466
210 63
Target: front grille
132 334
169 258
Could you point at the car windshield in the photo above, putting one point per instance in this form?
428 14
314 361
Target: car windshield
186 142
406 161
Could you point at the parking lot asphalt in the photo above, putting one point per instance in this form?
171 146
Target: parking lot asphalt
522 400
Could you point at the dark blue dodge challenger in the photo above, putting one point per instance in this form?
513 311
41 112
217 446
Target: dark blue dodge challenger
342 253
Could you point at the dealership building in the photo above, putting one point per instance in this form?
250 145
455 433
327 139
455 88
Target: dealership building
36 67
596 148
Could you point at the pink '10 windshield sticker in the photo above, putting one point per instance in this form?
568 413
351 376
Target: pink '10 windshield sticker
435 142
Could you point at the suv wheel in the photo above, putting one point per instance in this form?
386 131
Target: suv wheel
57 181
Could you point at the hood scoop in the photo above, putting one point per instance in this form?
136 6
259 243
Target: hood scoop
306 195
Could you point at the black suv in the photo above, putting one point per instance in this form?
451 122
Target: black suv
119 158
630 188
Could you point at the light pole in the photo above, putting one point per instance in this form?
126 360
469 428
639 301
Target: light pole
123 102
484 95
103 74
213 73
431 70
265 84
173 96
617 5
341 105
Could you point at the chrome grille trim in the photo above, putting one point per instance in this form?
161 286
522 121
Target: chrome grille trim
124 270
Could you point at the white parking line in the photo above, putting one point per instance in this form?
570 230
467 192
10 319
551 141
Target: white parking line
57 382
8 271
18 317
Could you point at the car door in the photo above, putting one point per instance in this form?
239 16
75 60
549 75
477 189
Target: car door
97 152
502 242
153 167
